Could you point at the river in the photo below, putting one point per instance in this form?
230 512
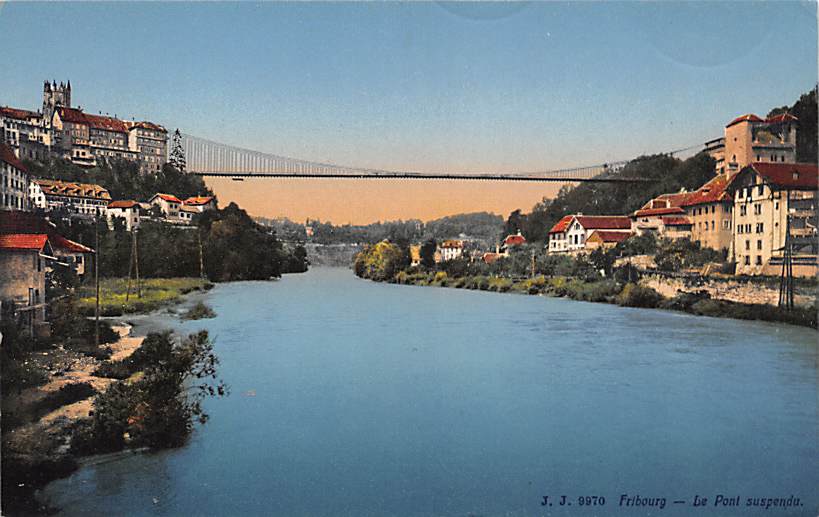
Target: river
350 397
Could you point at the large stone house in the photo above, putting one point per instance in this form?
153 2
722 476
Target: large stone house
750 139
770 200
23 275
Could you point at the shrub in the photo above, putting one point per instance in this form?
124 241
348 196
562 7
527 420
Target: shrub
199 311
634 295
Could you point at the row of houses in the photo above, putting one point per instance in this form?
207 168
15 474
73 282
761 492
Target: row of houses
759 200
84 138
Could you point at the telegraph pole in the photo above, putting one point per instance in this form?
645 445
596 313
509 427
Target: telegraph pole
136 263
786 278
201 260
97 278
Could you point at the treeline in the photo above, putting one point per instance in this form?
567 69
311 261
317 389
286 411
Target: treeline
479 225
234 247
122 178
595 277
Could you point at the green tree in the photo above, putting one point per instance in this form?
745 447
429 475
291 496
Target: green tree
177 156
427 253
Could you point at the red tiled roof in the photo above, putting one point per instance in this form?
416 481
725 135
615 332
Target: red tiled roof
801 176
17 113
675 199
72 115
67 188
23 241
168 197
146 125
604 222
676 221
123 204
659 211
609 236
712 192
561 225
60 242
489 258
782 117
17 222
452 244
745 118
106 123
514 240
96 121
198 200
7 155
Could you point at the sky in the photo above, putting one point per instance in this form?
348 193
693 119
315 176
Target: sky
416 86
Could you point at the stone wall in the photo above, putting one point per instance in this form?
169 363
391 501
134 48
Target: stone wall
731 290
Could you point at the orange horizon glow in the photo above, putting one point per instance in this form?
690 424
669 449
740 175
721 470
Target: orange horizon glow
359 202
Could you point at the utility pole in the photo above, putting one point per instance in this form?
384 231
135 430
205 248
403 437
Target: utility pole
97 278
136 263
786 278
130 268
201 260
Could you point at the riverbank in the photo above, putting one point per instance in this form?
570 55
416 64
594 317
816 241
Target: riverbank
627 294
40 420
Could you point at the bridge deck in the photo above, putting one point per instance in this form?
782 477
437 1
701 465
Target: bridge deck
425 176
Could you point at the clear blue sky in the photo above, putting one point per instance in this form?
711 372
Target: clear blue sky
420 86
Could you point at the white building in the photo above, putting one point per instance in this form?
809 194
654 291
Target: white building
13 181
572 234
128 211
168 204
75 198
451 249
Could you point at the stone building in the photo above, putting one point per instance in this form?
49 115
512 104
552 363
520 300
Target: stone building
150 142
23 274
770 199
710 210
13 181
83 138
750 139
25 133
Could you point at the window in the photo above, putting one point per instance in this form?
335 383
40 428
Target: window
747 261
776 205
759 227
758 209
743 210
759 245
760 190
758 260
712 224
747 244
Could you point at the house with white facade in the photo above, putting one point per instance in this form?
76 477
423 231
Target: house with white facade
127 210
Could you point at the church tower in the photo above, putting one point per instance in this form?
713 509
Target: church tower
55 95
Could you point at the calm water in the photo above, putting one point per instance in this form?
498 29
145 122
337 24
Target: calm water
356 398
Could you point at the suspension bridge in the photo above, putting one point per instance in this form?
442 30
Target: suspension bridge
214 159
